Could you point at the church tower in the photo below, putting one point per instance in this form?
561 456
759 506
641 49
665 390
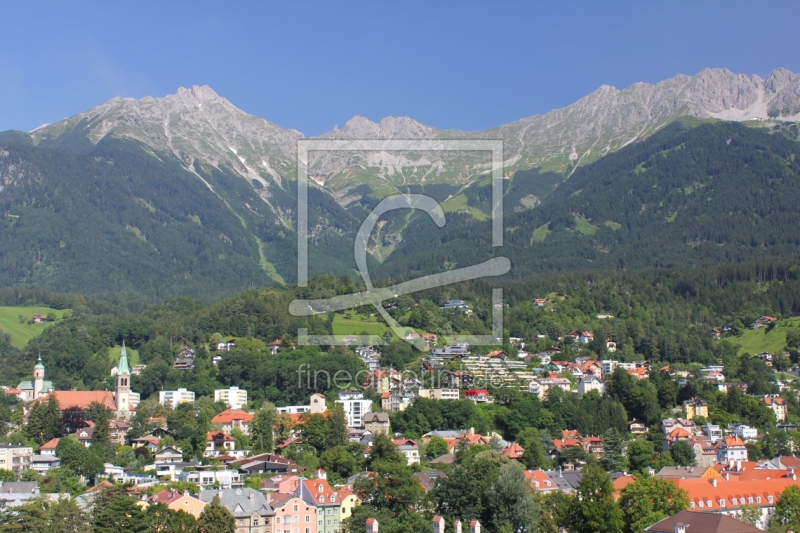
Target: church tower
123 395
38 379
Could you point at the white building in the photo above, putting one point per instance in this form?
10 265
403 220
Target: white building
730 450
746 433
589 383
316 405
355 407
171 398
235 398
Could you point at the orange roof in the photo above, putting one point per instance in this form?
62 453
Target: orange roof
50 445
229 415
778 401
679 433
570 433
71 399
732 492
513 450
211 435
730 441
538 479
560 444
386 395
13 391
620 483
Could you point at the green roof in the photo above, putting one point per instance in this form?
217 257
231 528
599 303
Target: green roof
122 367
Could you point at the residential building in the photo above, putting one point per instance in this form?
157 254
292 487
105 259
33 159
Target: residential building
777 404
477 395
206 479
637 427
168 455
171 398
15 457
589 383
14 493
669 424
705 454
251 510
43 463
316 405
293 514
545 384
712 431
283 483
695 407
455 350
178 501
231 419
267 463
377 423
234 397
744 432
731 449
318 493
218 443
355 407
348 501
49 447
726 495
118 431
439 394
428 479
513 451
409 448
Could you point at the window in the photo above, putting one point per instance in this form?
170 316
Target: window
691 505
241 522
758 499
722 503
191 511
296 519
277 519
701 503
308 518
734 502
770 499
255 521
295 507
708 503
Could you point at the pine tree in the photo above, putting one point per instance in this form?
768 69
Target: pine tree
116 511
261 430
613 459
337 426
44 421
593 509
215 518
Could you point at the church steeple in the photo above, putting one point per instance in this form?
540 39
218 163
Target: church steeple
122 367
38 378
123 392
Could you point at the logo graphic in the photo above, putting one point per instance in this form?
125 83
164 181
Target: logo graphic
375 296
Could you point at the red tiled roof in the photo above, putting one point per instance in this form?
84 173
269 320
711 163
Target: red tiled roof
212 435
71 399
229 415
50 445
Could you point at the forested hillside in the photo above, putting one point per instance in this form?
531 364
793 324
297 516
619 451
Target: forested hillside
687 196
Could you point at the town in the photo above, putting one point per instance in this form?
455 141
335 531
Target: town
546 419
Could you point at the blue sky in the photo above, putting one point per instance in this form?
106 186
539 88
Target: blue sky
313 65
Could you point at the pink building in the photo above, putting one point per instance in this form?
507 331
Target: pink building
283 484
293 515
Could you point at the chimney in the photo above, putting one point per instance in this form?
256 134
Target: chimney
714 482
268 496
457 526
438 524
474 527
252 496
727 476
372 525
680 527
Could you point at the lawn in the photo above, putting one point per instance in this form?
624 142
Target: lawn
459 203
756 341
114 351
22 333
355 325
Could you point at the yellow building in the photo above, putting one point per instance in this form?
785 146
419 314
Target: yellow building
348 501
178 502
695 408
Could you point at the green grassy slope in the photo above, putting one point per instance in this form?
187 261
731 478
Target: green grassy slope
755 341
22 333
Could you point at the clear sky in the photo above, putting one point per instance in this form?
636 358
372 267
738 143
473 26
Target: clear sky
313 65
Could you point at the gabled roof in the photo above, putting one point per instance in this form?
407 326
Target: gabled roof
50 445
72 399
229 415
701 522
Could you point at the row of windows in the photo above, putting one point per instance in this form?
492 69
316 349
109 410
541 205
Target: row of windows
734 501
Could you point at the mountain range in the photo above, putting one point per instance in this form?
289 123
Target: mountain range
187 194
